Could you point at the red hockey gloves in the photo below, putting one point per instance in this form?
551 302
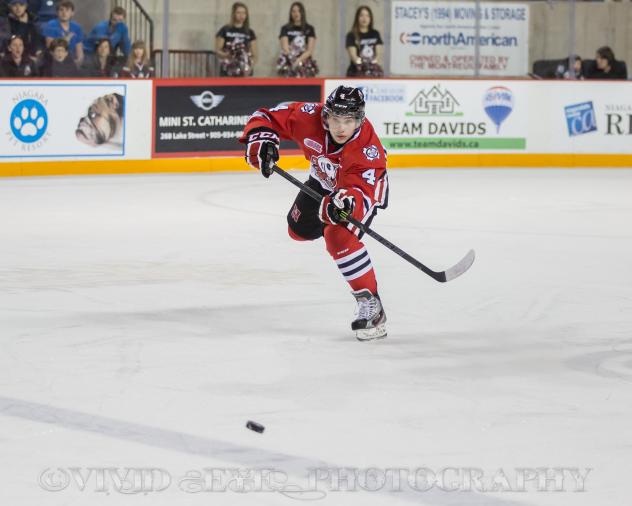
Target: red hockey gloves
262 150
335 208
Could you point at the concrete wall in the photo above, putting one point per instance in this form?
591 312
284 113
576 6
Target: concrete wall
194 24
596 25
90 12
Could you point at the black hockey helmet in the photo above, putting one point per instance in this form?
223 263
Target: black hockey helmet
344 101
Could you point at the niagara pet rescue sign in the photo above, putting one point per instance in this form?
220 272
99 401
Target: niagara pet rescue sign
439 38
62 120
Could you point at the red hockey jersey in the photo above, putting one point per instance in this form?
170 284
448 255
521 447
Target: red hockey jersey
360 164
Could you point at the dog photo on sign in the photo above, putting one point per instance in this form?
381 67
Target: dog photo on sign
102 126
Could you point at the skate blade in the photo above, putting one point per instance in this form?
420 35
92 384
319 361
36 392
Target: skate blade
378 332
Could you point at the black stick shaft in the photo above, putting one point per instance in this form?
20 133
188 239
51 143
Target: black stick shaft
439 276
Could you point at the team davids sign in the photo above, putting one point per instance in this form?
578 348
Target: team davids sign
423 116
535 117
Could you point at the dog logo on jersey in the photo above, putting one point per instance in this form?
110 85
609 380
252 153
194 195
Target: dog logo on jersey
312 144
326 170
308 108
371 152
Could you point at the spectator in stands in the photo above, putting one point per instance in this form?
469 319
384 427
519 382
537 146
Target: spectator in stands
563 70
34 6
114 29
236 44
64 28
364 45
5 30
22 23
58 62
298 39
4 7
606 66
138 66
101 63
44 10
16 62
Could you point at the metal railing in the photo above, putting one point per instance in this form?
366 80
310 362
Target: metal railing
185 63
140 24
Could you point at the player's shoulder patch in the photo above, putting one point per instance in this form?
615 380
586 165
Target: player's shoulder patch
312 144
309 108
371 152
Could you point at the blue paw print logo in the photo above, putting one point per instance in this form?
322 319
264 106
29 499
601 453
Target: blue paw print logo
29 121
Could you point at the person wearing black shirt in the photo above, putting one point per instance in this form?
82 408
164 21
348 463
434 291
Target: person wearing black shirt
606 66
5 30
16 62
298 39
364 45
101 63
21 23
58 62
236 44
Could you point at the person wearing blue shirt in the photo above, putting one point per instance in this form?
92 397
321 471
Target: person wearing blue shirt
114 29
64 28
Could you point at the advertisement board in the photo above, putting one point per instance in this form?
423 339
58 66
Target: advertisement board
446 116
489 116
47 125
207 117
75 119
439 38
582 117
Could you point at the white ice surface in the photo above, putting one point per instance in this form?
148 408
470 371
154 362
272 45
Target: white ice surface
144 319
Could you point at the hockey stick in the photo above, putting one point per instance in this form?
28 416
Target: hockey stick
442 276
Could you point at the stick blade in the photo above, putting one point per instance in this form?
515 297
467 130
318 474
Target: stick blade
461 267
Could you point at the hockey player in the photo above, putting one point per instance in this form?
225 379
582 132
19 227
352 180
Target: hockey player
348 168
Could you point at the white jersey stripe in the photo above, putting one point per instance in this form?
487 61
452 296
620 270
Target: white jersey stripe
376 194
353 229
384 191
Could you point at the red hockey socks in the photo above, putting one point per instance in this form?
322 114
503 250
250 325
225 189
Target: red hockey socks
351 257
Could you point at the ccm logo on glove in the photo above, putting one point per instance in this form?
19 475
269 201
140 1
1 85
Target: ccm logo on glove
262 150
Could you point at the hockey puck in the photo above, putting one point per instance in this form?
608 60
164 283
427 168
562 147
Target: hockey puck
257 427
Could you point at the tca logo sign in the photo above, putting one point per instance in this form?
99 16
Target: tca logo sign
580 118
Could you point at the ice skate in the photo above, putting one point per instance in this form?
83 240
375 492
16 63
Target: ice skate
370 322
